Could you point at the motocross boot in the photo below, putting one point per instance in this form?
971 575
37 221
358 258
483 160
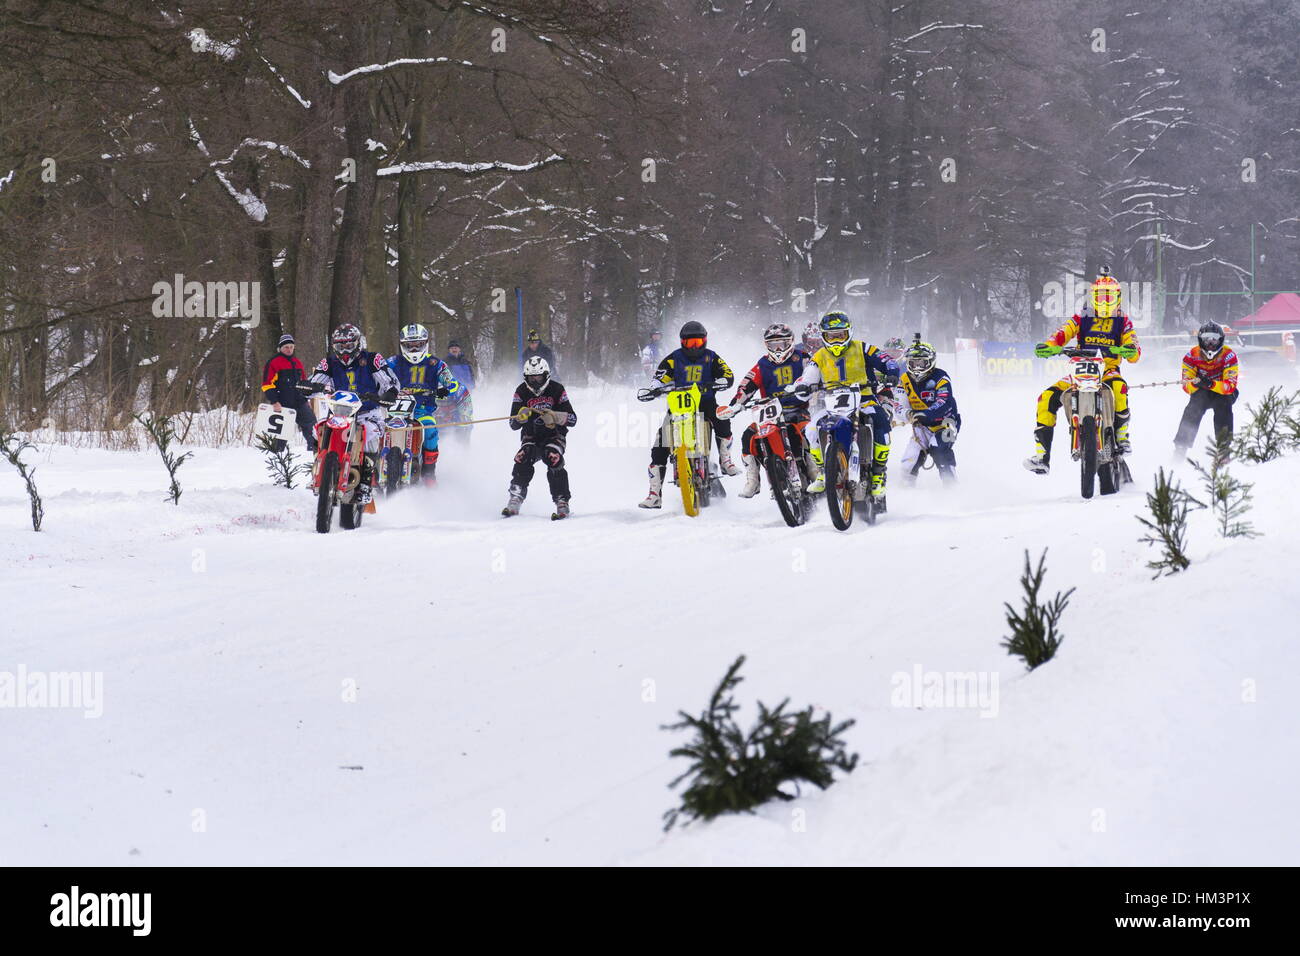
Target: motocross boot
816 475
1040 463
1122 443
428 473
724 457
655 499
751 477
363 494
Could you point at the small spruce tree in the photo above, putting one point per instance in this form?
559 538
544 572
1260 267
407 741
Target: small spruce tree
1226 496
1268 435
1167 526
733 772
1034 635
281 463
162 433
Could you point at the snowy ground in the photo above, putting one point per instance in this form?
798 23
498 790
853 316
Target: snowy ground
510 677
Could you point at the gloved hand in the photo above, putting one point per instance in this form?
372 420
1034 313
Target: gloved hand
648 394
1124 351
720 383
1047 350
389 395
553 417
886 392
1203 380
801 392
442 391
523 414
917 416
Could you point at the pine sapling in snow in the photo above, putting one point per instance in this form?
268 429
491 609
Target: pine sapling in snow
1167 526
1034 635
1227 497
161 432
12 447
281 463
734 772
1269 433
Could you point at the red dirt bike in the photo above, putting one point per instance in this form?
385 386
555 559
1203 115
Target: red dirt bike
340 440
773 446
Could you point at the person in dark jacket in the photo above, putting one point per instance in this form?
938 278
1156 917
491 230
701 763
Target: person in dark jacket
280 379
535 346
542 414
461 368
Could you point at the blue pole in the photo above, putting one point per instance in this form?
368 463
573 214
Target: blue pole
519 306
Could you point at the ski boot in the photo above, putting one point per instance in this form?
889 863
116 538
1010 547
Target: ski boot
656 497
513 505
751 477
561 510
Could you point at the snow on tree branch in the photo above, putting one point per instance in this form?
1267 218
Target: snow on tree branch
467 169
941 26
305 103
337 78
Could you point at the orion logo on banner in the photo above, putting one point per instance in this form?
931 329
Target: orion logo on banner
1015 362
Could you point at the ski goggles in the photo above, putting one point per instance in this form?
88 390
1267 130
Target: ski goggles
837 337
693 343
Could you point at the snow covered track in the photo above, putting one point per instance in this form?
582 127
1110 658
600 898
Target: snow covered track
443 686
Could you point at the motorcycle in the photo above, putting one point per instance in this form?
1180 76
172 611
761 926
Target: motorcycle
1090 405
844 432
773 447
336 472
690 438
401 452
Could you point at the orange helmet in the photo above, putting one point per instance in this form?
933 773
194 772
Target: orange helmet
1105 294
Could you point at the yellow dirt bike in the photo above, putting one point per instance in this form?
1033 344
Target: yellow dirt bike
689 436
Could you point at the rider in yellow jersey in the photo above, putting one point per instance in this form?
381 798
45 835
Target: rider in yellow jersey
1103 326
843 360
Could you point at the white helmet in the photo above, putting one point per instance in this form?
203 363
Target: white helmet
414 341
537 373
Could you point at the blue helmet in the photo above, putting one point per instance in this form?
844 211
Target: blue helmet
836 331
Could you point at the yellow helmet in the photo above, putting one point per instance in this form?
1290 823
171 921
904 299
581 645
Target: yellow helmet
1105 295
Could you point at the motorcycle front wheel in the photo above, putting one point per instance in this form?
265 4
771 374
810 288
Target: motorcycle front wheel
789 501
1087 455
839 488
686 481
329 483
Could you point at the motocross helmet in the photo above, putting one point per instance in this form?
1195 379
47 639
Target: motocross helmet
836 331
694 338
533 336
1210 338
778 338
921 359
537 373
1105 294
414 342
812 337
346 342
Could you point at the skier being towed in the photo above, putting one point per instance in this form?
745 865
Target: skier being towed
542 414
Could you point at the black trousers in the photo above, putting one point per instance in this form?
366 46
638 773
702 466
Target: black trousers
556 474
1202 401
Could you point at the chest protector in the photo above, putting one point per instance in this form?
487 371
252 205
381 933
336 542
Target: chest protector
850 368
1103 333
